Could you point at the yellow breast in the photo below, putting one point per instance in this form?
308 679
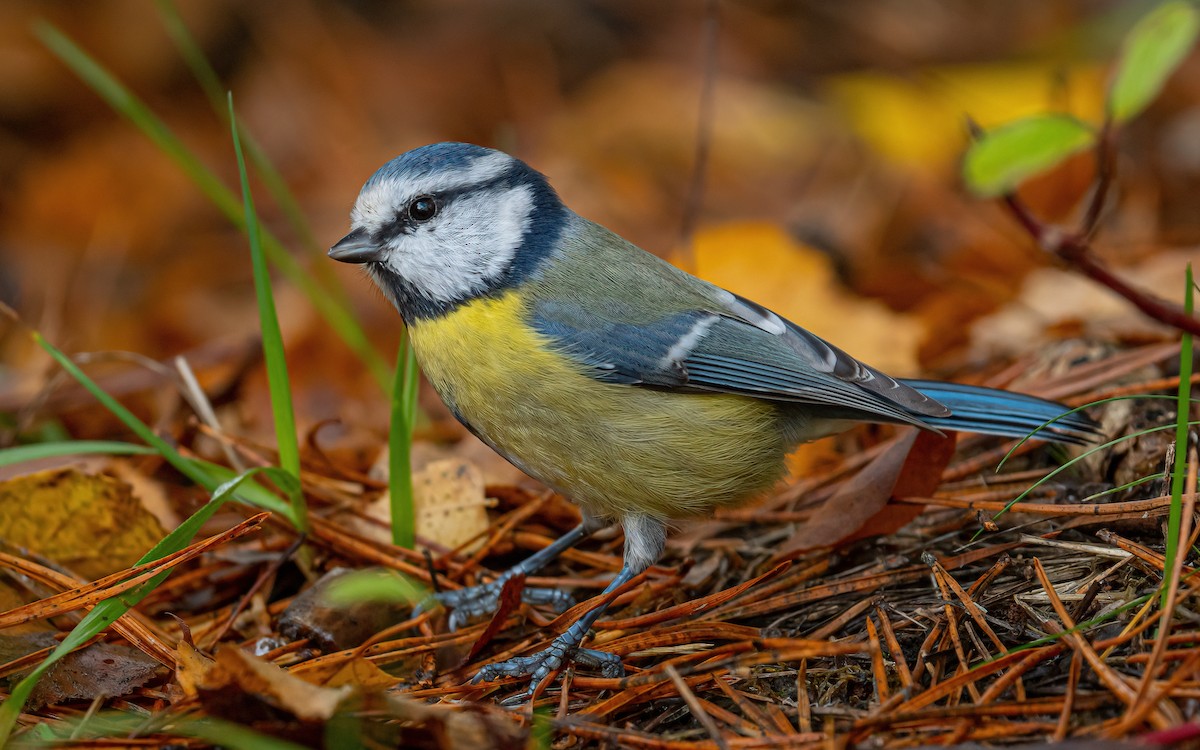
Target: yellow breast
612 448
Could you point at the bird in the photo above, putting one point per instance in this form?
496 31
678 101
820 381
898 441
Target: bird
638 391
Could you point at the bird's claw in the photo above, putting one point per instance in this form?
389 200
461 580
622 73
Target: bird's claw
537 667
484 599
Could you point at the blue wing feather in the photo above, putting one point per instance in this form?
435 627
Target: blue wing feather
731 356
995 412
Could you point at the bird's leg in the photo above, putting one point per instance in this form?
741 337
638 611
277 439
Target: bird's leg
644 540
484 599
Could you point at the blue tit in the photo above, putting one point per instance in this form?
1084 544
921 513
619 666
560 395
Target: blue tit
638 391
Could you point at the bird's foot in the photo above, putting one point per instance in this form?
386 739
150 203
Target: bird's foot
537 667
484 599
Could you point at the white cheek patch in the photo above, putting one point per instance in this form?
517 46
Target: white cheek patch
378 203
471 243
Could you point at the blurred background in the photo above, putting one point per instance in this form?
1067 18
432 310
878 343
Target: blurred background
801 153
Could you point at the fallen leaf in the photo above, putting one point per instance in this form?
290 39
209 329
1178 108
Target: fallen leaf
242 687
89 523
449 502
192 668
911 465
510 599
447 728
919 121
765 263
362 674
920 476
108 670
1054 298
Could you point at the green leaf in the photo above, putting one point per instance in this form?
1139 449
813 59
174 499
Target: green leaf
231 735
114 725
1008 155
210 83
188 468
252 492
1152 51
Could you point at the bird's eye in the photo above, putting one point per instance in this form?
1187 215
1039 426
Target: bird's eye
422 208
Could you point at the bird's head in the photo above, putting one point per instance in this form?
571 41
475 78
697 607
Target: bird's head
446 223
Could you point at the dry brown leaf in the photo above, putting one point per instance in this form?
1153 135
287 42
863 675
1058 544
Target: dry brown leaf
450 504
89 523
911 465
192 668
920 476
236 676
1052 297
101 669
362 674
448 729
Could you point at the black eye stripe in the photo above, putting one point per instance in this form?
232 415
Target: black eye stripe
404 223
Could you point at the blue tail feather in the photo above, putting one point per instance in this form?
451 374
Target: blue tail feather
994 412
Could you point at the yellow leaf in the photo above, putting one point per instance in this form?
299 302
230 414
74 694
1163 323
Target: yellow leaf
192 669
919 121
762 262
362 674
89 523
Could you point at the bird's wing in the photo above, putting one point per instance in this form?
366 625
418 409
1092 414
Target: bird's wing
730 345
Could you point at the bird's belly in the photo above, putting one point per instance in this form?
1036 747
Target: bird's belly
614 449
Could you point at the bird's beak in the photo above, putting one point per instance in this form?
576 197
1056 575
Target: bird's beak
356 247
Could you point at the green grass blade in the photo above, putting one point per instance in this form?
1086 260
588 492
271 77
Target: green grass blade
124 726
210 83
272 340
125 103
541 733
1078 628
1122 487
21 453
1179 469
108 611
200 472
193 56
228 734
1034 433
403 418
1094 449
186 467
